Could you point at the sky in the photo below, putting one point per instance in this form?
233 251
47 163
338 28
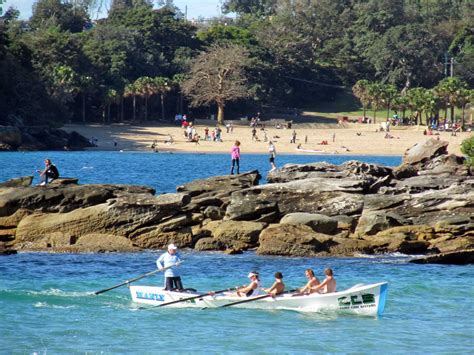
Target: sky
196 8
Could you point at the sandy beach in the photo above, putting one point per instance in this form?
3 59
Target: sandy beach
358 139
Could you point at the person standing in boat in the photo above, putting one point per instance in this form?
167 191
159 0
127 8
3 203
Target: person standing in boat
170 258
253 288
278 286
328 285
313 281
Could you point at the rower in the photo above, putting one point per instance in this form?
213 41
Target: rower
168 260
253 288
278 286
328 285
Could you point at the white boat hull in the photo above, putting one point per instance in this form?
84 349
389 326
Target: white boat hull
361 299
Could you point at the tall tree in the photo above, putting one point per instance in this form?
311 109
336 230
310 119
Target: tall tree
218 76
360 90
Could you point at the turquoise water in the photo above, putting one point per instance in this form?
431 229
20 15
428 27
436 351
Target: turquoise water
47 306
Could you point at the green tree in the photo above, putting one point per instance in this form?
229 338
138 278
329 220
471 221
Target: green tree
389 93
163 86
361 91
417 100
131 90
467 147
375 92
218 76
449 91
146 87
68 16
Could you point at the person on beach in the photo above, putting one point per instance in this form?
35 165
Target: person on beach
312 282
253 288
170 258
235 155
293 137
49 173
328 285
278 286
272 151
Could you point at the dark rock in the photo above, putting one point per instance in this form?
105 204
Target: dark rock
18 182
10 136
461 257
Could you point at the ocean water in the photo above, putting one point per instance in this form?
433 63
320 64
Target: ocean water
47 305
163 171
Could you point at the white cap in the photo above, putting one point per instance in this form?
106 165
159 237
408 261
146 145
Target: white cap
252 274
172 246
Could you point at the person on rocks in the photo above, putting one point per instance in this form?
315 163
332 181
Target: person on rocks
328 285
168 259
235 156
49 173
272 151
253 288
278 286
312 282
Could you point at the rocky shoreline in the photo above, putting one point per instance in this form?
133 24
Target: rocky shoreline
423 206
33 138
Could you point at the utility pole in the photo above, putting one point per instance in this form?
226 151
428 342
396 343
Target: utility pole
185 12
448 62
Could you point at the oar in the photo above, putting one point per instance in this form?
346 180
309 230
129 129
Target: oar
255 298
197 296
136 279
246 300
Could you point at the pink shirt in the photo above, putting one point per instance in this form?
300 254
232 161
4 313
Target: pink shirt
235 152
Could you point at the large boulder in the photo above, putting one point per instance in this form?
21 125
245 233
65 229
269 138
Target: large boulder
331 198
301 240
22 181
422 152
318 222
237 235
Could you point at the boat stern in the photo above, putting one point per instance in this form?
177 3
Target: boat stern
382 298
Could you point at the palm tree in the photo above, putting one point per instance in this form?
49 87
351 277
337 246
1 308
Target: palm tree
86 86
360 90
401 104
146 87
466 97
374 91
163 85
449 90
176 82
111 97
416 99
389 93
131 91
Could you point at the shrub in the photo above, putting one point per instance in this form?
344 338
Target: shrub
467 147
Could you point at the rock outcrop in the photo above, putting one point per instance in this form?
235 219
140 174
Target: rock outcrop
424 206
40 138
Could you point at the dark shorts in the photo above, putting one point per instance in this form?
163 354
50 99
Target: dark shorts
272 159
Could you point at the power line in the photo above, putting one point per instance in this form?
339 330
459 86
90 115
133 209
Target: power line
316 82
